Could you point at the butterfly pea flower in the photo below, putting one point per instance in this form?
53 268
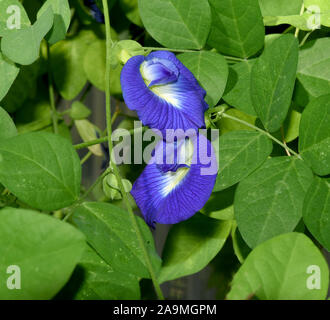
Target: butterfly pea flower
163 92
96 13
177 181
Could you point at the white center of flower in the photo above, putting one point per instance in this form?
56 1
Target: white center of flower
173 179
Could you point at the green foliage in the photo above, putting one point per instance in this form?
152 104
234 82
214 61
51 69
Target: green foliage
314 130
107 226
7 125
237 93
313 70
317 210
191 245
272 81
240 153
269 201
23 45
31 168
211 70
62 16
45 249
261 231
95 279
9 72
66 60
181 25
7 11
236 30
277 270
94 67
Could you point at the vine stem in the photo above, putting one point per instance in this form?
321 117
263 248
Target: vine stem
224 115
283 139
103 139
84 196
305 38
51 93
113 165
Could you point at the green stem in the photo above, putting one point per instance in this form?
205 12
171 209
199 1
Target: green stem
288 29
86 157
305 39
88 88
234 58
102 139
84 196
51 93
225 115
113 164
90 143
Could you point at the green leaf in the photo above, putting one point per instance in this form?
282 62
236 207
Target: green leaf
62 16
298 21
131 10
94 279
36 114
12 12
210 69
94 66
284 12
240 247
8 74
87 133
316 211
181 24
237 93
291 125
280 7
227 125
7 125
45 249
237 29
272 81
41 169
324 10
124 50
191 245
23 45
290 128
220 205
24 87
314 135
269 201
240 153
109 230
279 269
313 68
79 111
67 57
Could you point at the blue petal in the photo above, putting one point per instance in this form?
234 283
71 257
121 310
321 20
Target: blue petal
159 71
169 197
174 99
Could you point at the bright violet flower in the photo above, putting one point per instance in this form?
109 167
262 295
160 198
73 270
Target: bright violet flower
164 93
96 13
177 181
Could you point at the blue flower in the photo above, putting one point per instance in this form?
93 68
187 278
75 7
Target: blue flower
173 190
164 93
96 13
